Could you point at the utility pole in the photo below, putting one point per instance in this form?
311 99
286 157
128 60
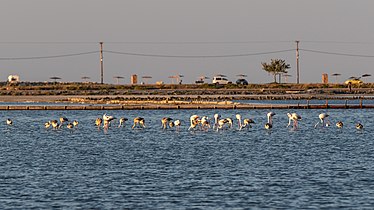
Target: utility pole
297 62
101 62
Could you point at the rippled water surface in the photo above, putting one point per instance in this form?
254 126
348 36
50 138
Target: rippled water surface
86 167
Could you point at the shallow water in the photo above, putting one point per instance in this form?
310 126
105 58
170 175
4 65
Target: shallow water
306 168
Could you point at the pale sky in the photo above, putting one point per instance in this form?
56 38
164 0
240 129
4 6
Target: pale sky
42 28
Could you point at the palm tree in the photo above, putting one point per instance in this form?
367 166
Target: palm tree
276 67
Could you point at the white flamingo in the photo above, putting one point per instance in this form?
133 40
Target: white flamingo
75 123
194 121
9 122
107 119
47 124
229 121
222 123
139 121
177 124
165 121
122 122
269 124
239 118
216 119
55 124
62 120
247 123
70 125
359 126
205 123
295 118
323 120
98 121
339 124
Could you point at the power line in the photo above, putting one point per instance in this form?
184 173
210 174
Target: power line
339 54
203 42
155 42
336 42
185 56
47 43
197 56
49 57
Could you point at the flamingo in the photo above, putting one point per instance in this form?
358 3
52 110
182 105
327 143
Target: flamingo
55 124
295 118
171 124
122 121
229 121
138 121
194 121
216 119
165 121
339 124
269 124
359 126
75 123
70 125
323 118
222 123
177 124
98 121
239 118
107 119
62 120
9 122
205 123
47 124
247 123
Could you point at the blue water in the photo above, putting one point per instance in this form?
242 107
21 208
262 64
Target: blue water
89 168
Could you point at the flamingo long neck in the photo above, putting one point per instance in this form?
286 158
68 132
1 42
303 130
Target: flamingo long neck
270 120
240 122
216 118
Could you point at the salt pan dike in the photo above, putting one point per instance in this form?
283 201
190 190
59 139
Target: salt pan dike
138 102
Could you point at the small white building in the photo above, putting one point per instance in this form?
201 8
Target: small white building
13 78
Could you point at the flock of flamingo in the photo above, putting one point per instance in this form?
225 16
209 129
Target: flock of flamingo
196 122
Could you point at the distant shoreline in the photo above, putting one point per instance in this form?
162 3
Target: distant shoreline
93 93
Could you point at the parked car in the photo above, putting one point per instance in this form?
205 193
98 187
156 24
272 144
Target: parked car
199 81
220 80
241 82
353 81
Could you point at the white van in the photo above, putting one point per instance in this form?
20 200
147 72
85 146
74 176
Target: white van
220 80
